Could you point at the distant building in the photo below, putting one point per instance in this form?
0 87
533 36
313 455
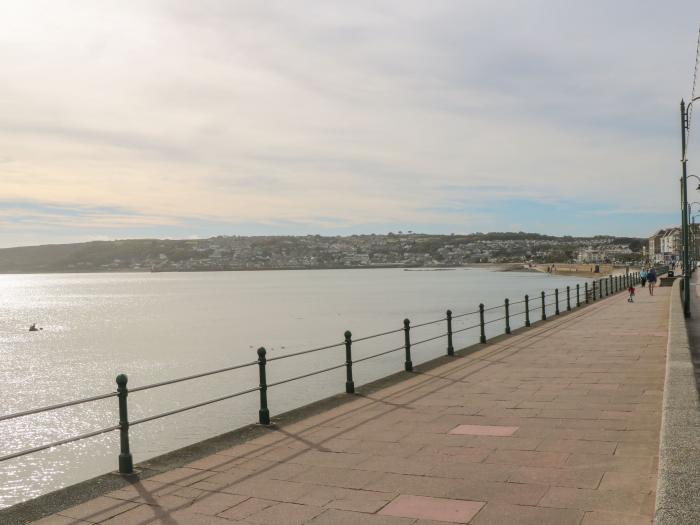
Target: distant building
654 252
671 245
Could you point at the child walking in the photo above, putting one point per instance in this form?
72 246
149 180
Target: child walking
630 299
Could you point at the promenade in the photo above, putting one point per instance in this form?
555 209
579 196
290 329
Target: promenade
557 424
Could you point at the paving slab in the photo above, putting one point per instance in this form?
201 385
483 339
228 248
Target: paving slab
556 424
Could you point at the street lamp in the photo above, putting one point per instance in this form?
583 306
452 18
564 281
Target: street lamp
691 235
685 127
693 239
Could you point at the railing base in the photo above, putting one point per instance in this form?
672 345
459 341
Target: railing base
126 464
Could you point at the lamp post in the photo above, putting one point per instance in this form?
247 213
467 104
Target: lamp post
692 243
693 240
691 235
685 127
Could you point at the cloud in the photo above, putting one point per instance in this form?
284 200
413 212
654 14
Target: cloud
338 115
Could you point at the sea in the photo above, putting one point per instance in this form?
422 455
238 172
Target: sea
160 326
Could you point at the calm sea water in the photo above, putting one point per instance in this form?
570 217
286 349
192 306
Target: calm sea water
161 326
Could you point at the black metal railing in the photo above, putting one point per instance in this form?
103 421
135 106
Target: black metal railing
598 289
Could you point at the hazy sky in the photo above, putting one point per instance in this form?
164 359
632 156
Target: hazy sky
194 118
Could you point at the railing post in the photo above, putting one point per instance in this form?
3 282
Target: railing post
556 301
264 412
349 383
126 462
450 348
527 310
568 298
585 292
482 338
507 307
578 295
408 365
544 313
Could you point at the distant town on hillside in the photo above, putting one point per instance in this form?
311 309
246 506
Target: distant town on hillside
401 249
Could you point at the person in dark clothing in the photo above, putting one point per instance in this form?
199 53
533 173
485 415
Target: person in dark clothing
651 279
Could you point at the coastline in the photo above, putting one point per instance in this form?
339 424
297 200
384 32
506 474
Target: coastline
496 267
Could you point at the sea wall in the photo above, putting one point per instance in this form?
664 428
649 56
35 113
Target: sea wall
678 487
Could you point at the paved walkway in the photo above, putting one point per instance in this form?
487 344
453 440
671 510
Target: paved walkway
557 425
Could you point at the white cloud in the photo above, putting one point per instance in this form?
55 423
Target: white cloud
336 112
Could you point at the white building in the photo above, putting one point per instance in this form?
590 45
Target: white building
671 244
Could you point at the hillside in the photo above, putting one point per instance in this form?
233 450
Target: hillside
311 251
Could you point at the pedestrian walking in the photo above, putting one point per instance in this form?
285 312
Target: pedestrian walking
651 279
643 277
630 299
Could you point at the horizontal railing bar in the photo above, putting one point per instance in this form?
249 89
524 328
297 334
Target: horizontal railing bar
429 322
302 352
377 355
305 375
429 339
57 443
463 315
465 329
377 335
493 308
190 407
57 406
516 302
494 320
195 376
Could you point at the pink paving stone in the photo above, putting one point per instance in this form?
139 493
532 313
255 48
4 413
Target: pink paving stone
483 430
437 509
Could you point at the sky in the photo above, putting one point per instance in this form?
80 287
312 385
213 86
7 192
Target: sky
181 119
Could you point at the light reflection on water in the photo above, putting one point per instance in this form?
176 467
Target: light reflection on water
161 326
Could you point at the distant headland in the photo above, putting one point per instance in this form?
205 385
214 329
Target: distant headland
393 250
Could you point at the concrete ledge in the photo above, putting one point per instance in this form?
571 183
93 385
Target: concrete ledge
667 281
678 486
